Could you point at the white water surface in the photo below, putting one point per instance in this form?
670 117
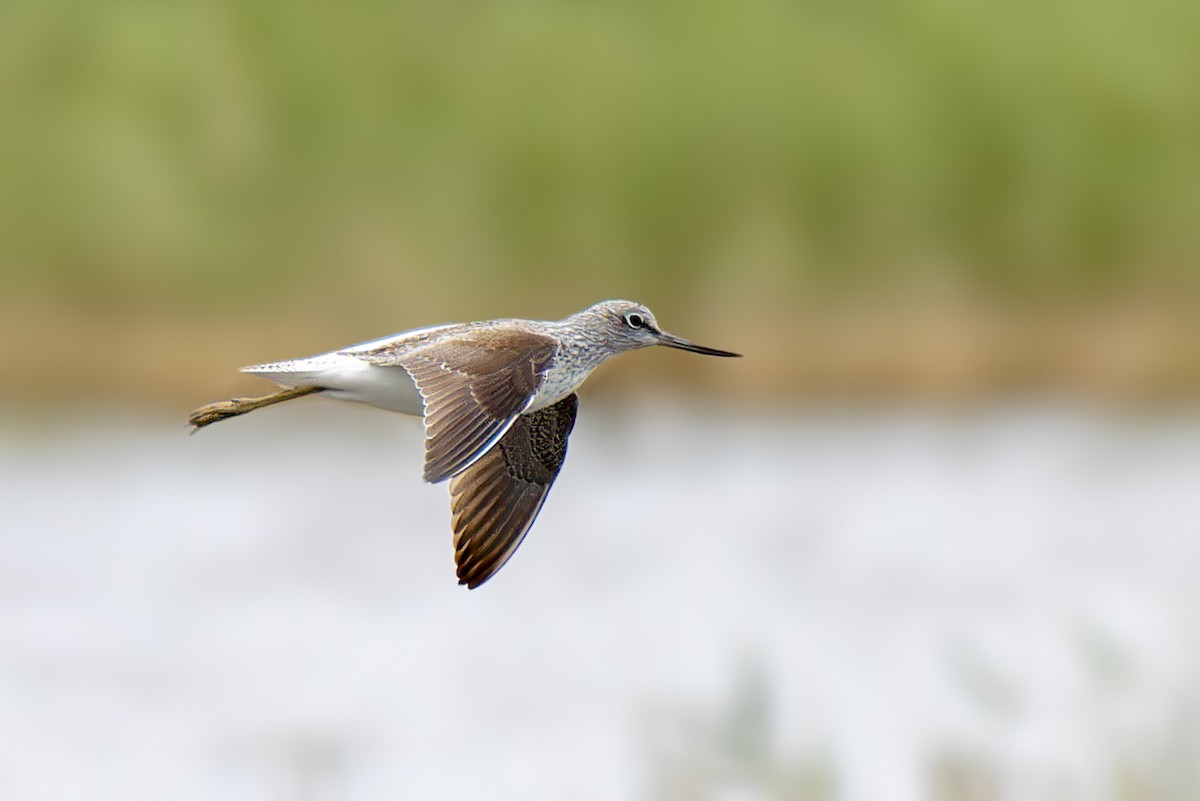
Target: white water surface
884 605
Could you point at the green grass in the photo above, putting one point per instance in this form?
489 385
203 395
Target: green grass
212 154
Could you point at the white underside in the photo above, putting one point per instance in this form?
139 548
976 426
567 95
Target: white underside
347 378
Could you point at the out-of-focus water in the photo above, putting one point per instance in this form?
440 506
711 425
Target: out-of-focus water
882 606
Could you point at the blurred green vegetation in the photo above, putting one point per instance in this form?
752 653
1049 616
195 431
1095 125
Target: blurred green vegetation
408 162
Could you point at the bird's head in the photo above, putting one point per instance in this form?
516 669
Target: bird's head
626 325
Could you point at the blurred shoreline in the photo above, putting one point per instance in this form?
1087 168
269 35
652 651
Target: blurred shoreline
1115 351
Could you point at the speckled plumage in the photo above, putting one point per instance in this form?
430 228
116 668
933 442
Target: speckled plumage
498 403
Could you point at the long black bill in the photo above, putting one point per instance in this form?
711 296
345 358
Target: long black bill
672 341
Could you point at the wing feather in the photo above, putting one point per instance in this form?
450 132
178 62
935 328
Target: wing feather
496 499
474 385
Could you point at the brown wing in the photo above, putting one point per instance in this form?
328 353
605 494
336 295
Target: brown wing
474 385
496 500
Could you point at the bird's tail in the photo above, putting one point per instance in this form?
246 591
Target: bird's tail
220 410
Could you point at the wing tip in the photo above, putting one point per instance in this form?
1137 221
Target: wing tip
473 573
470 583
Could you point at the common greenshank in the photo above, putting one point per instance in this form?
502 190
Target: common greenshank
498 401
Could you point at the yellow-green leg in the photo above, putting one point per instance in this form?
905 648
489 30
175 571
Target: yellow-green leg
212 412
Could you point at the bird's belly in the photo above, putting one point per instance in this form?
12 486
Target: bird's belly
390 388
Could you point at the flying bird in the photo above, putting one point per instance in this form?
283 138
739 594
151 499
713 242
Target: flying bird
498 401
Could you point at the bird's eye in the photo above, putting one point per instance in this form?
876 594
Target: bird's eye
635 320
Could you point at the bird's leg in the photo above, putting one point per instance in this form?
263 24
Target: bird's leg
212 412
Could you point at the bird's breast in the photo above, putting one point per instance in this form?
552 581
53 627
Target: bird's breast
564 376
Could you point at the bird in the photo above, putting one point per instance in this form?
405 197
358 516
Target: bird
498 400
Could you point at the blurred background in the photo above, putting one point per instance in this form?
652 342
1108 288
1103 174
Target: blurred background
935 537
